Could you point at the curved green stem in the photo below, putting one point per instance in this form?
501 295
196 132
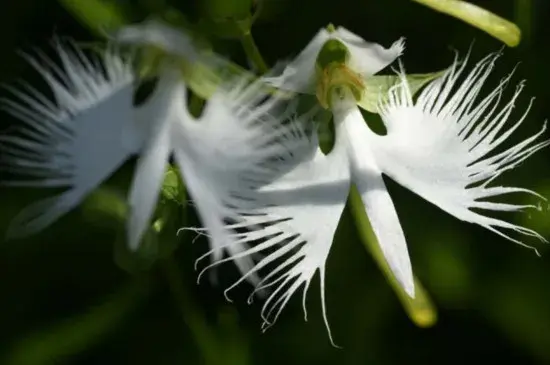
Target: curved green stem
253 52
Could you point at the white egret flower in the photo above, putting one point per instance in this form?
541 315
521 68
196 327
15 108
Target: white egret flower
446 147
222 154
77 141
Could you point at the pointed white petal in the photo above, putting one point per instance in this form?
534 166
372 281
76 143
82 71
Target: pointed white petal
367 177
443 146
161 114
76 142
299 75
368 58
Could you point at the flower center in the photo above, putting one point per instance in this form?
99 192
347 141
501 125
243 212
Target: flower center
333 73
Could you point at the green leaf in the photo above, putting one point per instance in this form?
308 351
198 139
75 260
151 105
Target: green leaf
420 310
498 27
75 334
98 15
377 87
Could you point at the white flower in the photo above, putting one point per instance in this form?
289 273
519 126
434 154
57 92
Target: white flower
93 126
215 153
445 147
221 155
366 59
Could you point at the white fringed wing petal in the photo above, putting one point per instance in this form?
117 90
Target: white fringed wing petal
74 142
223 159
444 146
291 222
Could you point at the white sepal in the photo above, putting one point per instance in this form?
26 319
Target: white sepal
366 59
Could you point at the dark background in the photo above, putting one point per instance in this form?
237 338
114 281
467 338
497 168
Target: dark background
65 297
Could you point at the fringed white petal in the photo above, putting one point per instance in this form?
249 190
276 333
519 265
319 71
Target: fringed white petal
368 58
233 137
223 159
76 141
444 146
291 222
367 177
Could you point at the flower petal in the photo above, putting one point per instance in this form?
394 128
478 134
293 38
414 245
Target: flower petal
368 58
76 142
161 113
367 177
292 224
222 157
443 146
299 75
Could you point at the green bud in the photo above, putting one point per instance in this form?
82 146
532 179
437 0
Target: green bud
331 28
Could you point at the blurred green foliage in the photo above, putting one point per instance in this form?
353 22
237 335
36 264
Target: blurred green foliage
67 298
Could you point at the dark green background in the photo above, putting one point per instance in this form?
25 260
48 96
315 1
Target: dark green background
493 296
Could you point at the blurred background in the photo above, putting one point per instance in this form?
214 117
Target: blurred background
73 295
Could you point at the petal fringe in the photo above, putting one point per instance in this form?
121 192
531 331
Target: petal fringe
76 141
447 146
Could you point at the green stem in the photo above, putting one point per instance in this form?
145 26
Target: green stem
483 19
253 53
190 314
420 309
